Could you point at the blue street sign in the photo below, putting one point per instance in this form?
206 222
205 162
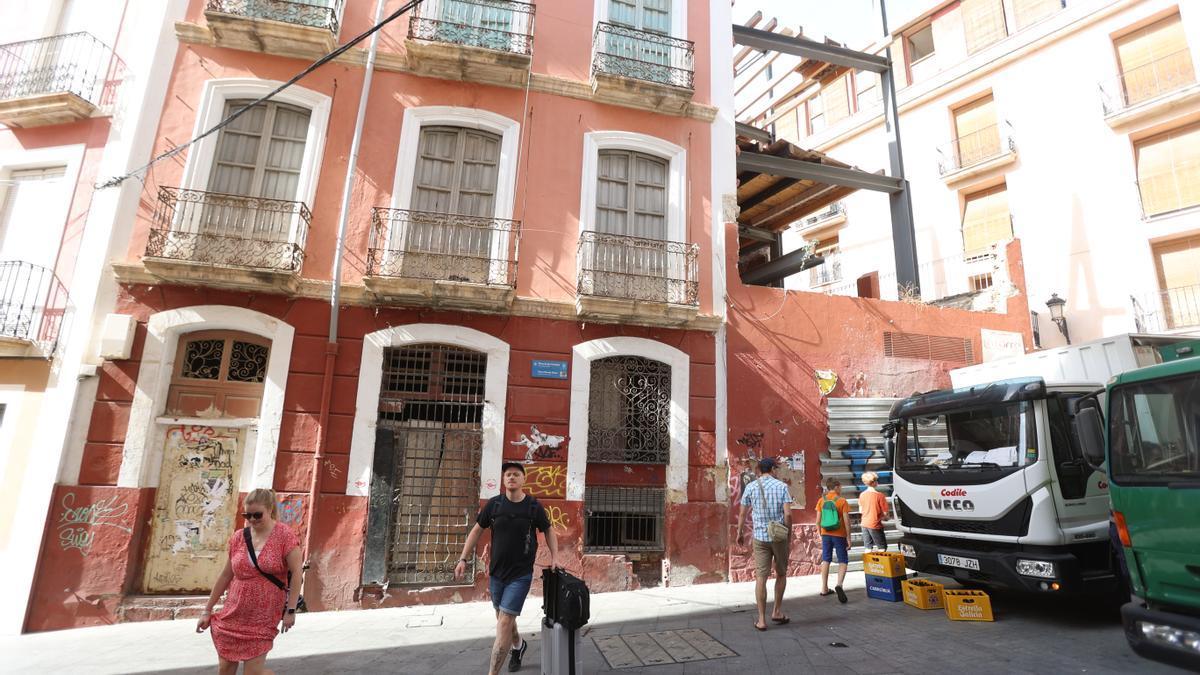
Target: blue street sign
549 370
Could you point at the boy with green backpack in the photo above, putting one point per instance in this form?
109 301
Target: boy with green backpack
833 516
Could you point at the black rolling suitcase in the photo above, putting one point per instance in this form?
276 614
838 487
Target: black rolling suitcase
565 602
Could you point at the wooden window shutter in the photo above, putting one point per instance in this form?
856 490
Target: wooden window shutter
976 132
1029 12
983 23
457 171
1178 263
1154 60
786 126
836 98
986 220
1168 168
631 195
260 153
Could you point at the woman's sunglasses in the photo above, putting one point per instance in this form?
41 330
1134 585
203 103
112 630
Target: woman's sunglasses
257 515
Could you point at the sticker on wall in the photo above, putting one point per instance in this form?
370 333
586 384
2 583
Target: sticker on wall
826 381
790 470
541 447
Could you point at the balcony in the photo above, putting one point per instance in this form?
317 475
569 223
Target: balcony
830 218
442 260
54 80
485 41
976 153
1175 309
642 69
1148 90
280 27
227 241
631 279
33 308
828 272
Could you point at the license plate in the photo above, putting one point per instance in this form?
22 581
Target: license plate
955 561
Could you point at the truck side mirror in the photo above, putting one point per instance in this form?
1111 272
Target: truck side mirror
1089 429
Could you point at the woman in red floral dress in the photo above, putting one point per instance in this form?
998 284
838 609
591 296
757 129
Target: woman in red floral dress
245 628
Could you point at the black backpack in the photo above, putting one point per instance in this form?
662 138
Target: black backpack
565 599
530 515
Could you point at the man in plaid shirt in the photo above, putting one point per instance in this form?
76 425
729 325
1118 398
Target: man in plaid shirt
769 500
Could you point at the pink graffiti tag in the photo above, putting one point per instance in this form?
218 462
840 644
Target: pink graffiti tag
76 523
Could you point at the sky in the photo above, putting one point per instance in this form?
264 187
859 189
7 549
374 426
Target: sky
851 22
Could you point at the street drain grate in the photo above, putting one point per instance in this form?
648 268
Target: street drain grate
634 650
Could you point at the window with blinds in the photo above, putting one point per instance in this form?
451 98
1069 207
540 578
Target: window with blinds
986 221
631 195
457 171
1154 60
1168 170
786 126
983 23
260 153
976 132
1029 12
835 96
1178 264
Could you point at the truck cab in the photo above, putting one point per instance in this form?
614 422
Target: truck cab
992 488
1153 463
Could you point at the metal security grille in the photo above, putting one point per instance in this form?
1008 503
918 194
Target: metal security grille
623 519
629 411
432 400
929 347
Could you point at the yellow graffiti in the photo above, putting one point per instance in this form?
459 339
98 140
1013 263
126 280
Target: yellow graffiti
546 480
558 518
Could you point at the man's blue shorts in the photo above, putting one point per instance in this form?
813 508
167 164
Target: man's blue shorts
828 544
510 597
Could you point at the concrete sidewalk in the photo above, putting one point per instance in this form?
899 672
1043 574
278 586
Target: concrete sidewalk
1037 634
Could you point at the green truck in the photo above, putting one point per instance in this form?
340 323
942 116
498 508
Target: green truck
1152 439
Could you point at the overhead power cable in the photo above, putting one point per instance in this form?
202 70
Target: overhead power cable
116 181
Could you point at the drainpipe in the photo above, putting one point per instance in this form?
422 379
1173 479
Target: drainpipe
331 347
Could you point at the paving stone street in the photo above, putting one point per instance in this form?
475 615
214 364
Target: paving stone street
1030 635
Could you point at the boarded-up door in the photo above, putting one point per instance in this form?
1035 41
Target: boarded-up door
195 509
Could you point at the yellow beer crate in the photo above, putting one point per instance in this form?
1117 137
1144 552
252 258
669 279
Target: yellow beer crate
967 605
922 594
884 564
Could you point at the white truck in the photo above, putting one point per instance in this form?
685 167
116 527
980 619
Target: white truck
990 484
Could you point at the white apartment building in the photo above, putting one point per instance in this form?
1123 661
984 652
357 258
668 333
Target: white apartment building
1070 125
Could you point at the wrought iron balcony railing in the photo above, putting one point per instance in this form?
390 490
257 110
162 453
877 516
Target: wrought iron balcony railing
232 230
832 211
317 14
443 247
633 268
828 272
76 63
33 305
1171 309
642 55
976 147
958 275
1161 76
501 25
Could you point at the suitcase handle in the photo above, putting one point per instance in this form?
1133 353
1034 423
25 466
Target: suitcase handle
968 601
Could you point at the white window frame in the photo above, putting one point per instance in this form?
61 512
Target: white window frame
581 387
370 378
678 17
213 98
595 141
69 156
509 131
141 459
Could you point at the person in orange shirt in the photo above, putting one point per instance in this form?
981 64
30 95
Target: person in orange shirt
833 517
873 505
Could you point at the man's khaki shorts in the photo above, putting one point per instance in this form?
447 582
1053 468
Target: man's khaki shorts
764 552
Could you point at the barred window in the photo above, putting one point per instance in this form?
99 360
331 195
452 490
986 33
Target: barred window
623 519
629 411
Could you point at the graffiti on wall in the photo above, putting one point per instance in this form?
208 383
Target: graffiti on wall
77 525
559 519
541 447
291 511
546 481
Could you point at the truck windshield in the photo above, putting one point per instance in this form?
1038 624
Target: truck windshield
995 437
1156 431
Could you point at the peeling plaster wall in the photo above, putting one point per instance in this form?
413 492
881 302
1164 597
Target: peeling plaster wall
777 342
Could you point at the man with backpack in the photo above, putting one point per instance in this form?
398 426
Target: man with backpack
513 517
833 516
770 502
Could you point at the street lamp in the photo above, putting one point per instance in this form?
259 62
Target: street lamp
1056 304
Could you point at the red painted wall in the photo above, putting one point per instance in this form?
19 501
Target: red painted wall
776 342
